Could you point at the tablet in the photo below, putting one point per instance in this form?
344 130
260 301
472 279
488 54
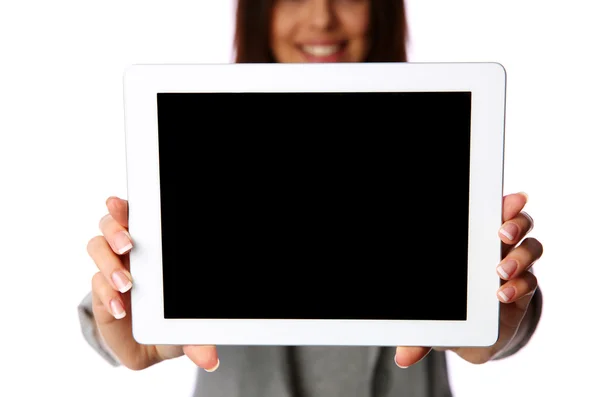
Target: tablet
315 204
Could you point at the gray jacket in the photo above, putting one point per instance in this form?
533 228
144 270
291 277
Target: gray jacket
283 371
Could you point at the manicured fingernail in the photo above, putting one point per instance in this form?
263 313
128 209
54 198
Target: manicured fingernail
526 196
398 365
122 242
122 282
509 230
507 293
507 268
213 369
117 309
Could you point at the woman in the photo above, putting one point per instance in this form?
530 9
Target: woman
287 31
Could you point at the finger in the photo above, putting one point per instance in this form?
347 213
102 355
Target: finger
512 204
203 356
520 259
517 288
117 236
513 230
407 356
115 330
109 264
109 303
118 208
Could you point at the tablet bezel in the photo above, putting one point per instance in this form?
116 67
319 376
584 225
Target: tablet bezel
486 82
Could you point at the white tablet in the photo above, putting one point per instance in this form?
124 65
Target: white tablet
315 204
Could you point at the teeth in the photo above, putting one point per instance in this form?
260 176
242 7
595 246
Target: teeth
321 50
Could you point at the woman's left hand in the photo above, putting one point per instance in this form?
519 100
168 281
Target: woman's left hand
515 293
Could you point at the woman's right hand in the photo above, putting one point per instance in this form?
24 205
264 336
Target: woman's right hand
111 298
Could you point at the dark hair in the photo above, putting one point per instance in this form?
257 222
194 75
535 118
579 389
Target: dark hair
388 31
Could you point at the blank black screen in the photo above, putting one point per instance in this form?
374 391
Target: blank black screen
315 205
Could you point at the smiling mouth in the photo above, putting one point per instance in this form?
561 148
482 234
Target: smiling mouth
323 52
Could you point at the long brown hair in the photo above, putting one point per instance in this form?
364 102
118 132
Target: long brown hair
388 30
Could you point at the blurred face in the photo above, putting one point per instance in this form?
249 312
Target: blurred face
320 30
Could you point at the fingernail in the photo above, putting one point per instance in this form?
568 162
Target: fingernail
213 369
506 269
122 282
398 365
117 309
507 293
122 242
526 196
509 230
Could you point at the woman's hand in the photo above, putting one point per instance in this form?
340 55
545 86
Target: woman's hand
515 293
111 298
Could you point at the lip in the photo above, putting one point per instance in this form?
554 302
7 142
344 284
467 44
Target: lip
321 42
323 51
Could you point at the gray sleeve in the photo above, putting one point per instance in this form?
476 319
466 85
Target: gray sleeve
90 331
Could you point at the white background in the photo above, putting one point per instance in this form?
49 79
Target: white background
62 154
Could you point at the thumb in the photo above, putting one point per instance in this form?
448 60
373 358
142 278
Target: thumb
203 356
407 356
